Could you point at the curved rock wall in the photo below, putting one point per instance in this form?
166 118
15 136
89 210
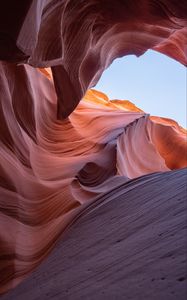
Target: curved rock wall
50 167
81 38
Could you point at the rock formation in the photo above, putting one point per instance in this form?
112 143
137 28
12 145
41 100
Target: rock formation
80 39
57 161
128 244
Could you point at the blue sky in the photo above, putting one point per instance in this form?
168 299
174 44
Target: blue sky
153 82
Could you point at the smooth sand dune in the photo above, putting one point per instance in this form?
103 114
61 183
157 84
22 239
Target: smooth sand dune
129 244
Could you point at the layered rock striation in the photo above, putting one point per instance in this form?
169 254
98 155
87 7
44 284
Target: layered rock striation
55 160
80 39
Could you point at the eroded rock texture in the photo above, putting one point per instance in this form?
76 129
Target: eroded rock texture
125 245
81 38
54 164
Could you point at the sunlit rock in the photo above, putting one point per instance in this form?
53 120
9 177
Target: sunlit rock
58 162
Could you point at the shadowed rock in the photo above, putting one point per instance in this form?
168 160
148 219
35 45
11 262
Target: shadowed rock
55 159
130 244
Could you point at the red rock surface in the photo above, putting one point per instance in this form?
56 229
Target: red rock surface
51 161
81 38
128 244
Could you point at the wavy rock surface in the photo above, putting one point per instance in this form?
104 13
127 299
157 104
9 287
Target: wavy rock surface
129 244
81 38
51 169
